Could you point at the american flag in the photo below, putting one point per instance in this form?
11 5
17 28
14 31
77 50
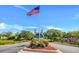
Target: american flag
34 11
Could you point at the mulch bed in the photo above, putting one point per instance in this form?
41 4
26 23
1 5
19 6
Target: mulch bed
45 50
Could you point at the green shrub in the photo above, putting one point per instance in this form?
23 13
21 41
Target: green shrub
46 42
36 43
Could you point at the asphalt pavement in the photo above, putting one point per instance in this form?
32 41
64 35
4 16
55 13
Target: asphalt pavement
65 49
15 48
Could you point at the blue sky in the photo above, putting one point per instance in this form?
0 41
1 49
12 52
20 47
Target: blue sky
62 17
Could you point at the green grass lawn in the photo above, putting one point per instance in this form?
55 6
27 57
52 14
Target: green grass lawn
8 42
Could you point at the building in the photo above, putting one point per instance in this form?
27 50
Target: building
39 34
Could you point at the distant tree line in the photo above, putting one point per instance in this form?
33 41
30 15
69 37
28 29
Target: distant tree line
57 35
51 35
18 36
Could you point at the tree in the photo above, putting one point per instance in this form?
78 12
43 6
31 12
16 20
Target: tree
73 33
53 34
64 34
24 35
6 35
17 36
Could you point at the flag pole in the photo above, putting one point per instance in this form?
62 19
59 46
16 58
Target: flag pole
39 28
39 33
35 11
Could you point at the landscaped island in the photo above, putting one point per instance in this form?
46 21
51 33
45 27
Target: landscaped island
42 45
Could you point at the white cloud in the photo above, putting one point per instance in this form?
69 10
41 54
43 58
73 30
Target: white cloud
75 17
18 27
4 26
31 27
21 7
52 27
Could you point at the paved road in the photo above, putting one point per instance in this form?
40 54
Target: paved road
66 49
16 47
12 48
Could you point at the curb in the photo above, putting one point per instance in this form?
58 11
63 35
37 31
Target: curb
39 51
